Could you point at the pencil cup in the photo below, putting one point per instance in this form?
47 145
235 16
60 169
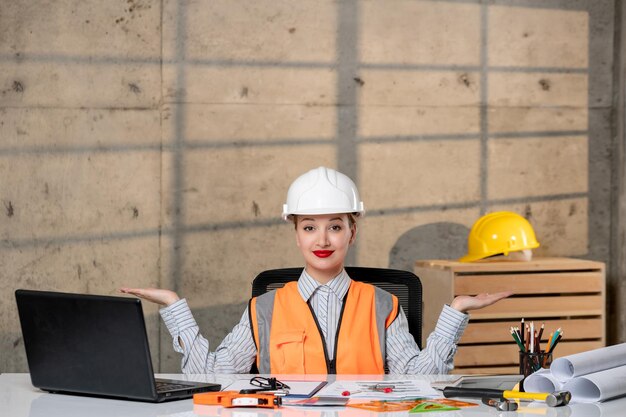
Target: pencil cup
532 362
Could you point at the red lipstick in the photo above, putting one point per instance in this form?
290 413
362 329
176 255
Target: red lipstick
323 253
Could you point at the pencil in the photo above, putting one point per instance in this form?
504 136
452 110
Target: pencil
540 334
522 329
527 338
558 339
553 338
521 347
548 345
519 334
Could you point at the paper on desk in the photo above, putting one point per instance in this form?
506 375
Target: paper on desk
542 381
297 389
598 386
604 377
403 389
571 366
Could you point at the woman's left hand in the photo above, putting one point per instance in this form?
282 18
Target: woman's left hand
465 303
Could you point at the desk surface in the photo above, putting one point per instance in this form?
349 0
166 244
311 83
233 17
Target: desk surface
18 398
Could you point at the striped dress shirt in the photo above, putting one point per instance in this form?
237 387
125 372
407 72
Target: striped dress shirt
237 352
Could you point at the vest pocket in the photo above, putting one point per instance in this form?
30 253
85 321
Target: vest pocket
290 352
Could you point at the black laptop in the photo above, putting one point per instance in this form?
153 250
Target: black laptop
93 345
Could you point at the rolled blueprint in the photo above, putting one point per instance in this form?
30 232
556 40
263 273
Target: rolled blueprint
598 386
541 381
571 366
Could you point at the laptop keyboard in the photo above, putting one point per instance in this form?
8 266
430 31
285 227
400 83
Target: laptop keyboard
164 386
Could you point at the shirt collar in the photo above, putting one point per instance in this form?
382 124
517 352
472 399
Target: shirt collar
307 285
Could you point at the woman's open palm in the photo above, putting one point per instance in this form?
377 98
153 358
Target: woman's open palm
156 295
466 303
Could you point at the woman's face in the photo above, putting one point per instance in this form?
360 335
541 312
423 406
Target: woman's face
324 240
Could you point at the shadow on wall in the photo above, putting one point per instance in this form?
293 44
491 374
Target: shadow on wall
441 240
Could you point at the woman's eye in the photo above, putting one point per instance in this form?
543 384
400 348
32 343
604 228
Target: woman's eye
308 228
335 228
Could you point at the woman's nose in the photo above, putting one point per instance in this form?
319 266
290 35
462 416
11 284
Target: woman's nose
322 238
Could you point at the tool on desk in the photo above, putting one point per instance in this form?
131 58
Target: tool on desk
386 388
236 399
554 399
501 405
266 385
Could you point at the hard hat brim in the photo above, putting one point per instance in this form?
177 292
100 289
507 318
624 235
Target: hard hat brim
319 212
475 257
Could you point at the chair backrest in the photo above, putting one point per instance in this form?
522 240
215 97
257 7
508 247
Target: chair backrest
403 284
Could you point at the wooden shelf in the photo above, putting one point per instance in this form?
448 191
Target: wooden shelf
562 292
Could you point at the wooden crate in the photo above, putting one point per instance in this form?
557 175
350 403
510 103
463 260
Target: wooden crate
562 292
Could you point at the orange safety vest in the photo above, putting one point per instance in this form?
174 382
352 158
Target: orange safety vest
289 340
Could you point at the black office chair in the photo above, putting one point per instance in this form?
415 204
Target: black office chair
403 284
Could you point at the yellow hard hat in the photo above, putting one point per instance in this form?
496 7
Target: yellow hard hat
499 233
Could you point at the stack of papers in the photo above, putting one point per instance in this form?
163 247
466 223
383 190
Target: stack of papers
400 389
503 382
592 376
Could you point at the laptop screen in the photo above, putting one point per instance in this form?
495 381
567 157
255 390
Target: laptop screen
86 344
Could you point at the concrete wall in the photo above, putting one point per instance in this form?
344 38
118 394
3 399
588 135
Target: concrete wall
152 142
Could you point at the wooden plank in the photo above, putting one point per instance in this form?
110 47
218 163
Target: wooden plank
557 306
537 264
480 332
567 282
481 355
490 370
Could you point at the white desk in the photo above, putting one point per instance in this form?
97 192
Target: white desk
18 398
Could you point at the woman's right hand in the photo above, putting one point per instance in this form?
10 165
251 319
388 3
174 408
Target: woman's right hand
156 295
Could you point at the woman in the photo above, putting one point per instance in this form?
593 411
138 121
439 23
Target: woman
325 322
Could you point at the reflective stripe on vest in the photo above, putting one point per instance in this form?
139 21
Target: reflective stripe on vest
289 340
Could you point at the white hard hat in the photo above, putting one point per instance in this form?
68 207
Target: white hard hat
322 191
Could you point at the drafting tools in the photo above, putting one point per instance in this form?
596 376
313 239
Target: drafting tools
501 405
554 399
